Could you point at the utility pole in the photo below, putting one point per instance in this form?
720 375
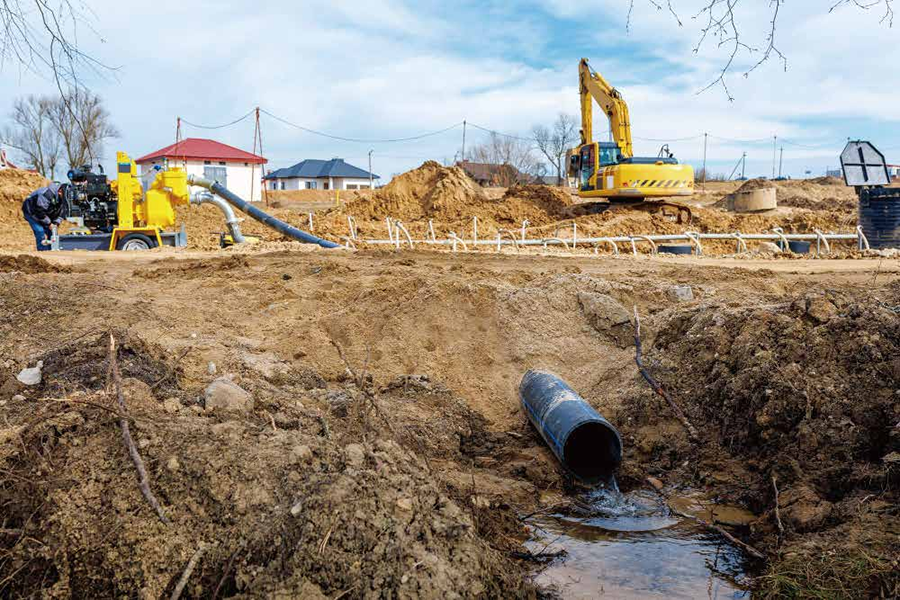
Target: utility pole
371 178
780 162
705 139
774 154
464 142
744 166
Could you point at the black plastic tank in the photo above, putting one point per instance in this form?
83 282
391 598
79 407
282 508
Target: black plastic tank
879 216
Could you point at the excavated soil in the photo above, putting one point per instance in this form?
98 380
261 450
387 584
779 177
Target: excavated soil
450 201
385 453
15 185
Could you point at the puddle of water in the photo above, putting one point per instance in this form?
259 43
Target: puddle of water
630 546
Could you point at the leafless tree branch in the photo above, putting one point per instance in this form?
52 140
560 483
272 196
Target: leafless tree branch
719 26
553 142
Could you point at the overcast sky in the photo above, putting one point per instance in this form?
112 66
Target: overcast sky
391 69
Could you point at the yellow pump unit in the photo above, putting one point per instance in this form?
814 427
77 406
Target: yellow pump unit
610 169
121 214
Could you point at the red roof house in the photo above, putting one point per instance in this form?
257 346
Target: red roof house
199 148
238 170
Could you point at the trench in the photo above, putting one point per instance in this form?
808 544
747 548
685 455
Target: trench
630 545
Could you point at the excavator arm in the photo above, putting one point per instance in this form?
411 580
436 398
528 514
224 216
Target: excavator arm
594 87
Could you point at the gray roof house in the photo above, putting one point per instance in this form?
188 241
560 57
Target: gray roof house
311 174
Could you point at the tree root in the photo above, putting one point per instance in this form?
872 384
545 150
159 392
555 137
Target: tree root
143 479
679 414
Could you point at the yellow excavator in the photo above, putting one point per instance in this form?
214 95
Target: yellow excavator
609 170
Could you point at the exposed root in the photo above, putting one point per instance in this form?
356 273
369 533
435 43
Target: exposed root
143 479
186 575
679 414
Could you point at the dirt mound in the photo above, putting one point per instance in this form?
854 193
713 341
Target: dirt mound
540 204
15 185
25 263
296 509
756 184
828 180
803 392
430 191
821 193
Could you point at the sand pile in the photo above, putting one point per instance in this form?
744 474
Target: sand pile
431 191
15 185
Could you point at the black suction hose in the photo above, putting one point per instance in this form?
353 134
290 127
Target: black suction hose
263 217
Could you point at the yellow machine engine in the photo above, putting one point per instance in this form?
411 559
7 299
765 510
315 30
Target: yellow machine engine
609 169
121 214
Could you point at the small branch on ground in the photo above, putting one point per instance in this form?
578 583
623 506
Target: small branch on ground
182 583
12 532
539 557
143 480
227 569
778 512
712 527
679 414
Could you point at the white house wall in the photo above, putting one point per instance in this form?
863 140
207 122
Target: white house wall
299 183
240 178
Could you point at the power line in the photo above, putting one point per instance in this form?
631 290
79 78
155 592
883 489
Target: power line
235 122
495 132
685 139
809 147
359 140
736 141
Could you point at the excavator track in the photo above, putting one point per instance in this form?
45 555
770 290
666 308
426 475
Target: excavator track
673 211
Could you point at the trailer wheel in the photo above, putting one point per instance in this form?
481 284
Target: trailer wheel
136 241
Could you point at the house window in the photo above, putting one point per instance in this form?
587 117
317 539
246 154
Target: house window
207 162
282 185
352 186
222 163
274 186
325 185
312 185
219 174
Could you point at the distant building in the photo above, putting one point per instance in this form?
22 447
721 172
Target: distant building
834 173
311 174
491 175
241 172
894 171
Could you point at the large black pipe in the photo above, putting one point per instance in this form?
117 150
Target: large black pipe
583 441
266 219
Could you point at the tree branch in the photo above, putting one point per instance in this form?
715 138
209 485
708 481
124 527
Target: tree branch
679 414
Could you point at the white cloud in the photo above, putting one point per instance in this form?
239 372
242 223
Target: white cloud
388 68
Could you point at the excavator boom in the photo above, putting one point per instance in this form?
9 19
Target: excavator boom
594 87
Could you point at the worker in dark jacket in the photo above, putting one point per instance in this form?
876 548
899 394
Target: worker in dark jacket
43 209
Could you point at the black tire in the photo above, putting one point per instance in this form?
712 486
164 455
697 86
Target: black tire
136 241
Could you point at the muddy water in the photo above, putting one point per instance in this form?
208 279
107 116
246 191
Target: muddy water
631 546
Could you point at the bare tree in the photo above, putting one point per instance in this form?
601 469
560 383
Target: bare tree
83 124
720 27
34 134
41 36
553 143
509 158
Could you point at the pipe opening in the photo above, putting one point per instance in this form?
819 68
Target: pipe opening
593 452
